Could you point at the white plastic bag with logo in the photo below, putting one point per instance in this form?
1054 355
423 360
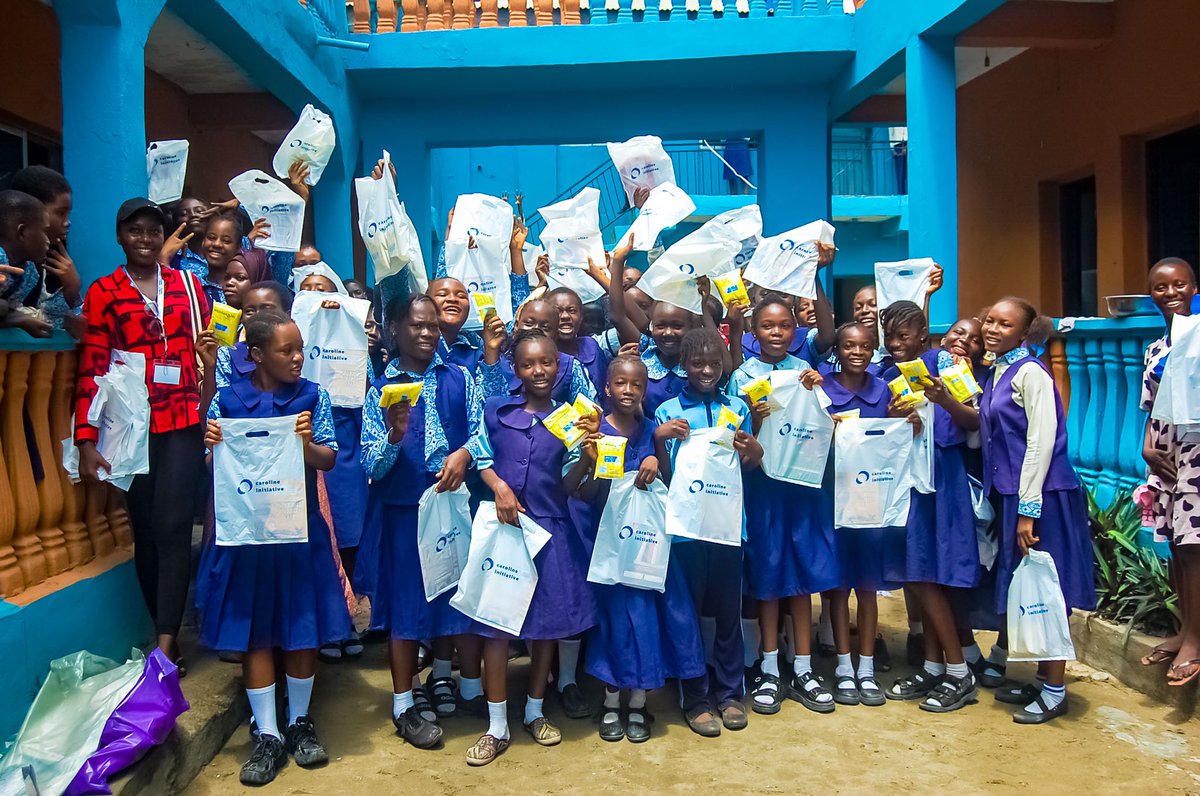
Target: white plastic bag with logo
121 412
312 140
335 344
632 547
572 231
905 280
1178 398
487 220
704 500
796 437
263 196
788 263
1038 624
985 536
166 169
923 452
872 467
443 538
708 250
259 495
666 206
387 231
497 584
641 161
482 272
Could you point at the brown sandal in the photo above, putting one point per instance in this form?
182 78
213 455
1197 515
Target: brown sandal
1176 679
486 749
1157 656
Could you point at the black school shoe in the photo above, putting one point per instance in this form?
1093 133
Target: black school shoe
982 677
574 704
637 725
883 658
302 743
417 730
268 757
914 649
1023 716
951 694
611 730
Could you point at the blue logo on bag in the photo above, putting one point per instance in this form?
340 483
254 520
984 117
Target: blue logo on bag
785 429
697 486
295 142
862 477
314 352
687 268
787 245
634 173
371 229
808 249
473 287
625 532
473 232
487 564
244 486
444 541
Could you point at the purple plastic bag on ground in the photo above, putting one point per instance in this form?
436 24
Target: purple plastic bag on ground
141 722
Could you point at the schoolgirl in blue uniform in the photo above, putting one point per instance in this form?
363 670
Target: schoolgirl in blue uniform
642 637
585 350
259 598
405 450
234 362
522 463
1041 503
713 571
941 549
790 552
572 379
871 559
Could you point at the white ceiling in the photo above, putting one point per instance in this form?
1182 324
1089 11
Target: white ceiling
192 62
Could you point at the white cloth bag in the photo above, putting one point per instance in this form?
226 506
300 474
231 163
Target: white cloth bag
666 206
166 169
796 438
1038 624
1178 398
704 500
443 538
263 196
497 584
572 231
121 412
641 161
872 467
311 140
259 495
923 452
905 280
387 231
335 344
708 250
632 547
788 262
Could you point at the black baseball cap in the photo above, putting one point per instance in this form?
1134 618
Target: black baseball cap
131 207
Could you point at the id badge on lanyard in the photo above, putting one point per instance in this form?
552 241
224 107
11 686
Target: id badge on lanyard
166 371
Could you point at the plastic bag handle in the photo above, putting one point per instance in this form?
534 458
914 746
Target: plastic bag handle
874 432
262 432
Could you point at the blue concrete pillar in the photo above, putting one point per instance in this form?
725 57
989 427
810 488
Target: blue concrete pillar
793 163
933 165
104 118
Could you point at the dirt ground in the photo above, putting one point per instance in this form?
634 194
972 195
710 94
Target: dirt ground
1114 740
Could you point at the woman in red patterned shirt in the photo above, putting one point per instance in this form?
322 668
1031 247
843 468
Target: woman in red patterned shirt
148 309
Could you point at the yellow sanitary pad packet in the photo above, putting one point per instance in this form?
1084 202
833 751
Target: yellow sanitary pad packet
960 382
729 419
395 393
916 373
562 424
758 389
610 457
586 406
485 304
225 323
849 414
731 288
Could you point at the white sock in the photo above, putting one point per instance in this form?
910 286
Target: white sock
637 698
934 668
612 699
1052 695
972 654
916 628
568 661
866 667
498 720
470 687
770 663
708 633
299 692
533 709
751 640
957 670
262 707
801 664
401 703
440 669
844 666
825 628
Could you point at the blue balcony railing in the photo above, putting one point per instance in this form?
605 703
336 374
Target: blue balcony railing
869 167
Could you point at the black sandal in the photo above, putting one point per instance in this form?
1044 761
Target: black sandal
806 688
871 697
637 724
951 694
915 686
985 678
766 685
445 695
423 706
845 692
